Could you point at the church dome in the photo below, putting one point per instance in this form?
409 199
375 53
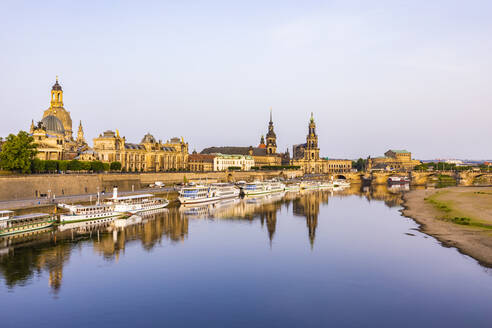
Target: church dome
148 138
53 124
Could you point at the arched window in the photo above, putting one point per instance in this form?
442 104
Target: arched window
58 97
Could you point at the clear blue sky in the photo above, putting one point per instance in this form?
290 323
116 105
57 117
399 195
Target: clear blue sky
376 74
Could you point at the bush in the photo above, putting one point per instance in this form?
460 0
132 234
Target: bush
234 168
115 166
97 166
86 166
51 166
63 166
74 165
38 166
462 221
276 167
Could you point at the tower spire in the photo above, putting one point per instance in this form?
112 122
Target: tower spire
80 135
271 121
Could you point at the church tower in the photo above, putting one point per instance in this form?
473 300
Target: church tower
271 138
56 109
312 151
80 135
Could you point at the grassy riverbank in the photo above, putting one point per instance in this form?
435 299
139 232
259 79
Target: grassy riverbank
459 217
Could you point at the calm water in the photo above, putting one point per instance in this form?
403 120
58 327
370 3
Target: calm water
307 260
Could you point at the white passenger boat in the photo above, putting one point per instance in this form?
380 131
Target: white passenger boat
88 212
258 188
310 185
341 183
398 180
207 193
10 224
325 185
294 187
136 203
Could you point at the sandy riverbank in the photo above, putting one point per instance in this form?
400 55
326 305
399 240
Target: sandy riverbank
458 217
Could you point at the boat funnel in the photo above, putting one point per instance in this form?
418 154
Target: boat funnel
115 192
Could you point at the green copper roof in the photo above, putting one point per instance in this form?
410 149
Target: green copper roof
400 151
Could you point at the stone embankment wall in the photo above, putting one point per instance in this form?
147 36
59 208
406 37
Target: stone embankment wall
34 186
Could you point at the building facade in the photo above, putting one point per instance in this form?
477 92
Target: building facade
201 162
149 155
224 162
393 160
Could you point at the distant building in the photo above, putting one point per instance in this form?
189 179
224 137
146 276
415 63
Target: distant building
307 156
149 155
265 154
53 134
393 160
224 162
201 162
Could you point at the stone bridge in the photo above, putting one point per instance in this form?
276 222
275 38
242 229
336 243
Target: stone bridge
465 178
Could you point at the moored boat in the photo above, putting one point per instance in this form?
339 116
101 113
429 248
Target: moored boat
258 188
88 212
294 187
136 203
207 193
10 224
398 180
325 185
341 183
309 185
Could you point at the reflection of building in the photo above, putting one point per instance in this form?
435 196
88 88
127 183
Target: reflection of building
268 213
263 155
398 160
308 206
149 155
53 134
307 156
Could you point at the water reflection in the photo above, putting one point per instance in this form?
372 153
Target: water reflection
25 257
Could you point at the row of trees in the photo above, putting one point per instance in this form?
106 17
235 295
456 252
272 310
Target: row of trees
442 166
275 167
50 166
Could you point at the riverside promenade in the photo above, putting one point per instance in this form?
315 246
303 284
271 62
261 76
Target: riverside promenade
42 202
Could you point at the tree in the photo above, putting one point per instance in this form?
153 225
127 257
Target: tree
37 166
97 166
18 152
86 166
74 165
51 166
360 164
63 166
106 167
115 166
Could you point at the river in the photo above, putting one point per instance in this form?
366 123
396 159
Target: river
311 259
